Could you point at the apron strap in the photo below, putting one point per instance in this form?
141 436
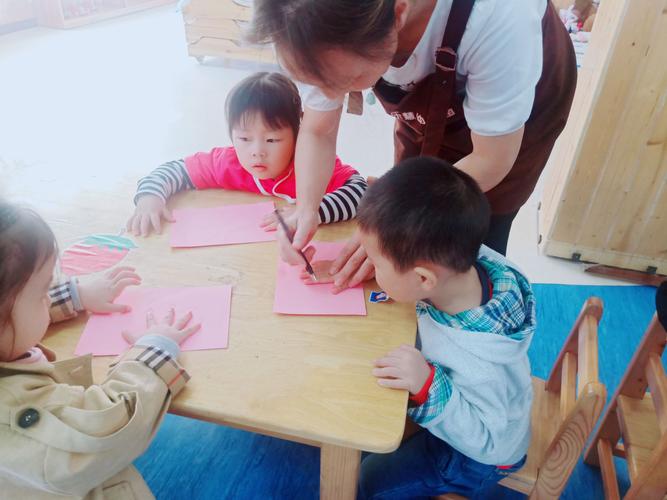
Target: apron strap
443 83
456 23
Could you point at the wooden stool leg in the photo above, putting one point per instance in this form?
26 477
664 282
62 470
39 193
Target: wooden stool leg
608 470
339 472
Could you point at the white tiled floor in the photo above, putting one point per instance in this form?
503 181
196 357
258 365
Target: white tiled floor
101 104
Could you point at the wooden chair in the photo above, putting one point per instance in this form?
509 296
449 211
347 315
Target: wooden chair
565 409
635 424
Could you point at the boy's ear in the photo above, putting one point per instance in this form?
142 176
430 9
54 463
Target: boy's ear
427 277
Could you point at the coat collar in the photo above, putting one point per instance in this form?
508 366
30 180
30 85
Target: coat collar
74 371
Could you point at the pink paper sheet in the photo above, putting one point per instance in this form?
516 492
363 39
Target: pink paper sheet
210 306
294 297
224 225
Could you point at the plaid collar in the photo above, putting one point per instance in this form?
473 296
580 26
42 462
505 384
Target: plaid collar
511 311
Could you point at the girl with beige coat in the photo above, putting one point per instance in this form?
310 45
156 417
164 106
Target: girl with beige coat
61 436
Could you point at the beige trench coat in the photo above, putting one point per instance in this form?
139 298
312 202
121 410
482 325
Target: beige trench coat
62 437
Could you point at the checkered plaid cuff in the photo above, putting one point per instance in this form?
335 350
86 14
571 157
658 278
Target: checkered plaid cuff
158 360
74 291
438 396
62 303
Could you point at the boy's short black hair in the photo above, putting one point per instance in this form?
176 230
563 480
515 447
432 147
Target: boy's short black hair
424 209
271 95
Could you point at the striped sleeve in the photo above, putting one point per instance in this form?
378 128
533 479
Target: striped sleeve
342 204
165 181
438 396
158 360
63 301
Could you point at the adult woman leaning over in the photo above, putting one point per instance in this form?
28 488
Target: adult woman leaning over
484 84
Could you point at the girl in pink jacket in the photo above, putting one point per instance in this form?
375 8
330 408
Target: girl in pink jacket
264 115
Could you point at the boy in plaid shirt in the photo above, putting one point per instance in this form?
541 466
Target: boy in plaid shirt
422 225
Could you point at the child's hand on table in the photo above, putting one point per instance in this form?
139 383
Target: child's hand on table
321 268
403 368
97 294
148 214
170 327
270 222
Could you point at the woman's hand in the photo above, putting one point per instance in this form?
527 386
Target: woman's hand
352 266
303 224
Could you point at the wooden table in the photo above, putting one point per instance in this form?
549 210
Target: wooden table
305 379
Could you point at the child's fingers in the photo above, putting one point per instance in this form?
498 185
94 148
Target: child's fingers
269 222
129 337
184 334
169 317
150 319
394 383
114 272
155 220
145 225
129 223
167 215
400 355
307 279
136 225
124 274
387 360
110 307
183 321
389 371
123 284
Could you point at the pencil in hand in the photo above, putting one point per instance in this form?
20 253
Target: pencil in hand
281 221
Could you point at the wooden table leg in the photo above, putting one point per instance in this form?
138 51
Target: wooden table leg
339 472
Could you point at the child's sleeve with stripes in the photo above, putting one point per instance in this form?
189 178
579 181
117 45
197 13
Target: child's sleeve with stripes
439 393
342 203
159 354
165 181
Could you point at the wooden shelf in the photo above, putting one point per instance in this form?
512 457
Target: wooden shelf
605 200
214 28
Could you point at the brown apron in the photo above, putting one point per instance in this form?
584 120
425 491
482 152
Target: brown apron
430 119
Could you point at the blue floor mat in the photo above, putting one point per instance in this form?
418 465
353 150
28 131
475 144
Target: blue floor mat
198 460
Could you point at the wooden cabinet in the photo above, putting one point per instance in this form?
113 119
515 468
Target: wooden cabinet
73 13
605 199
214 28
